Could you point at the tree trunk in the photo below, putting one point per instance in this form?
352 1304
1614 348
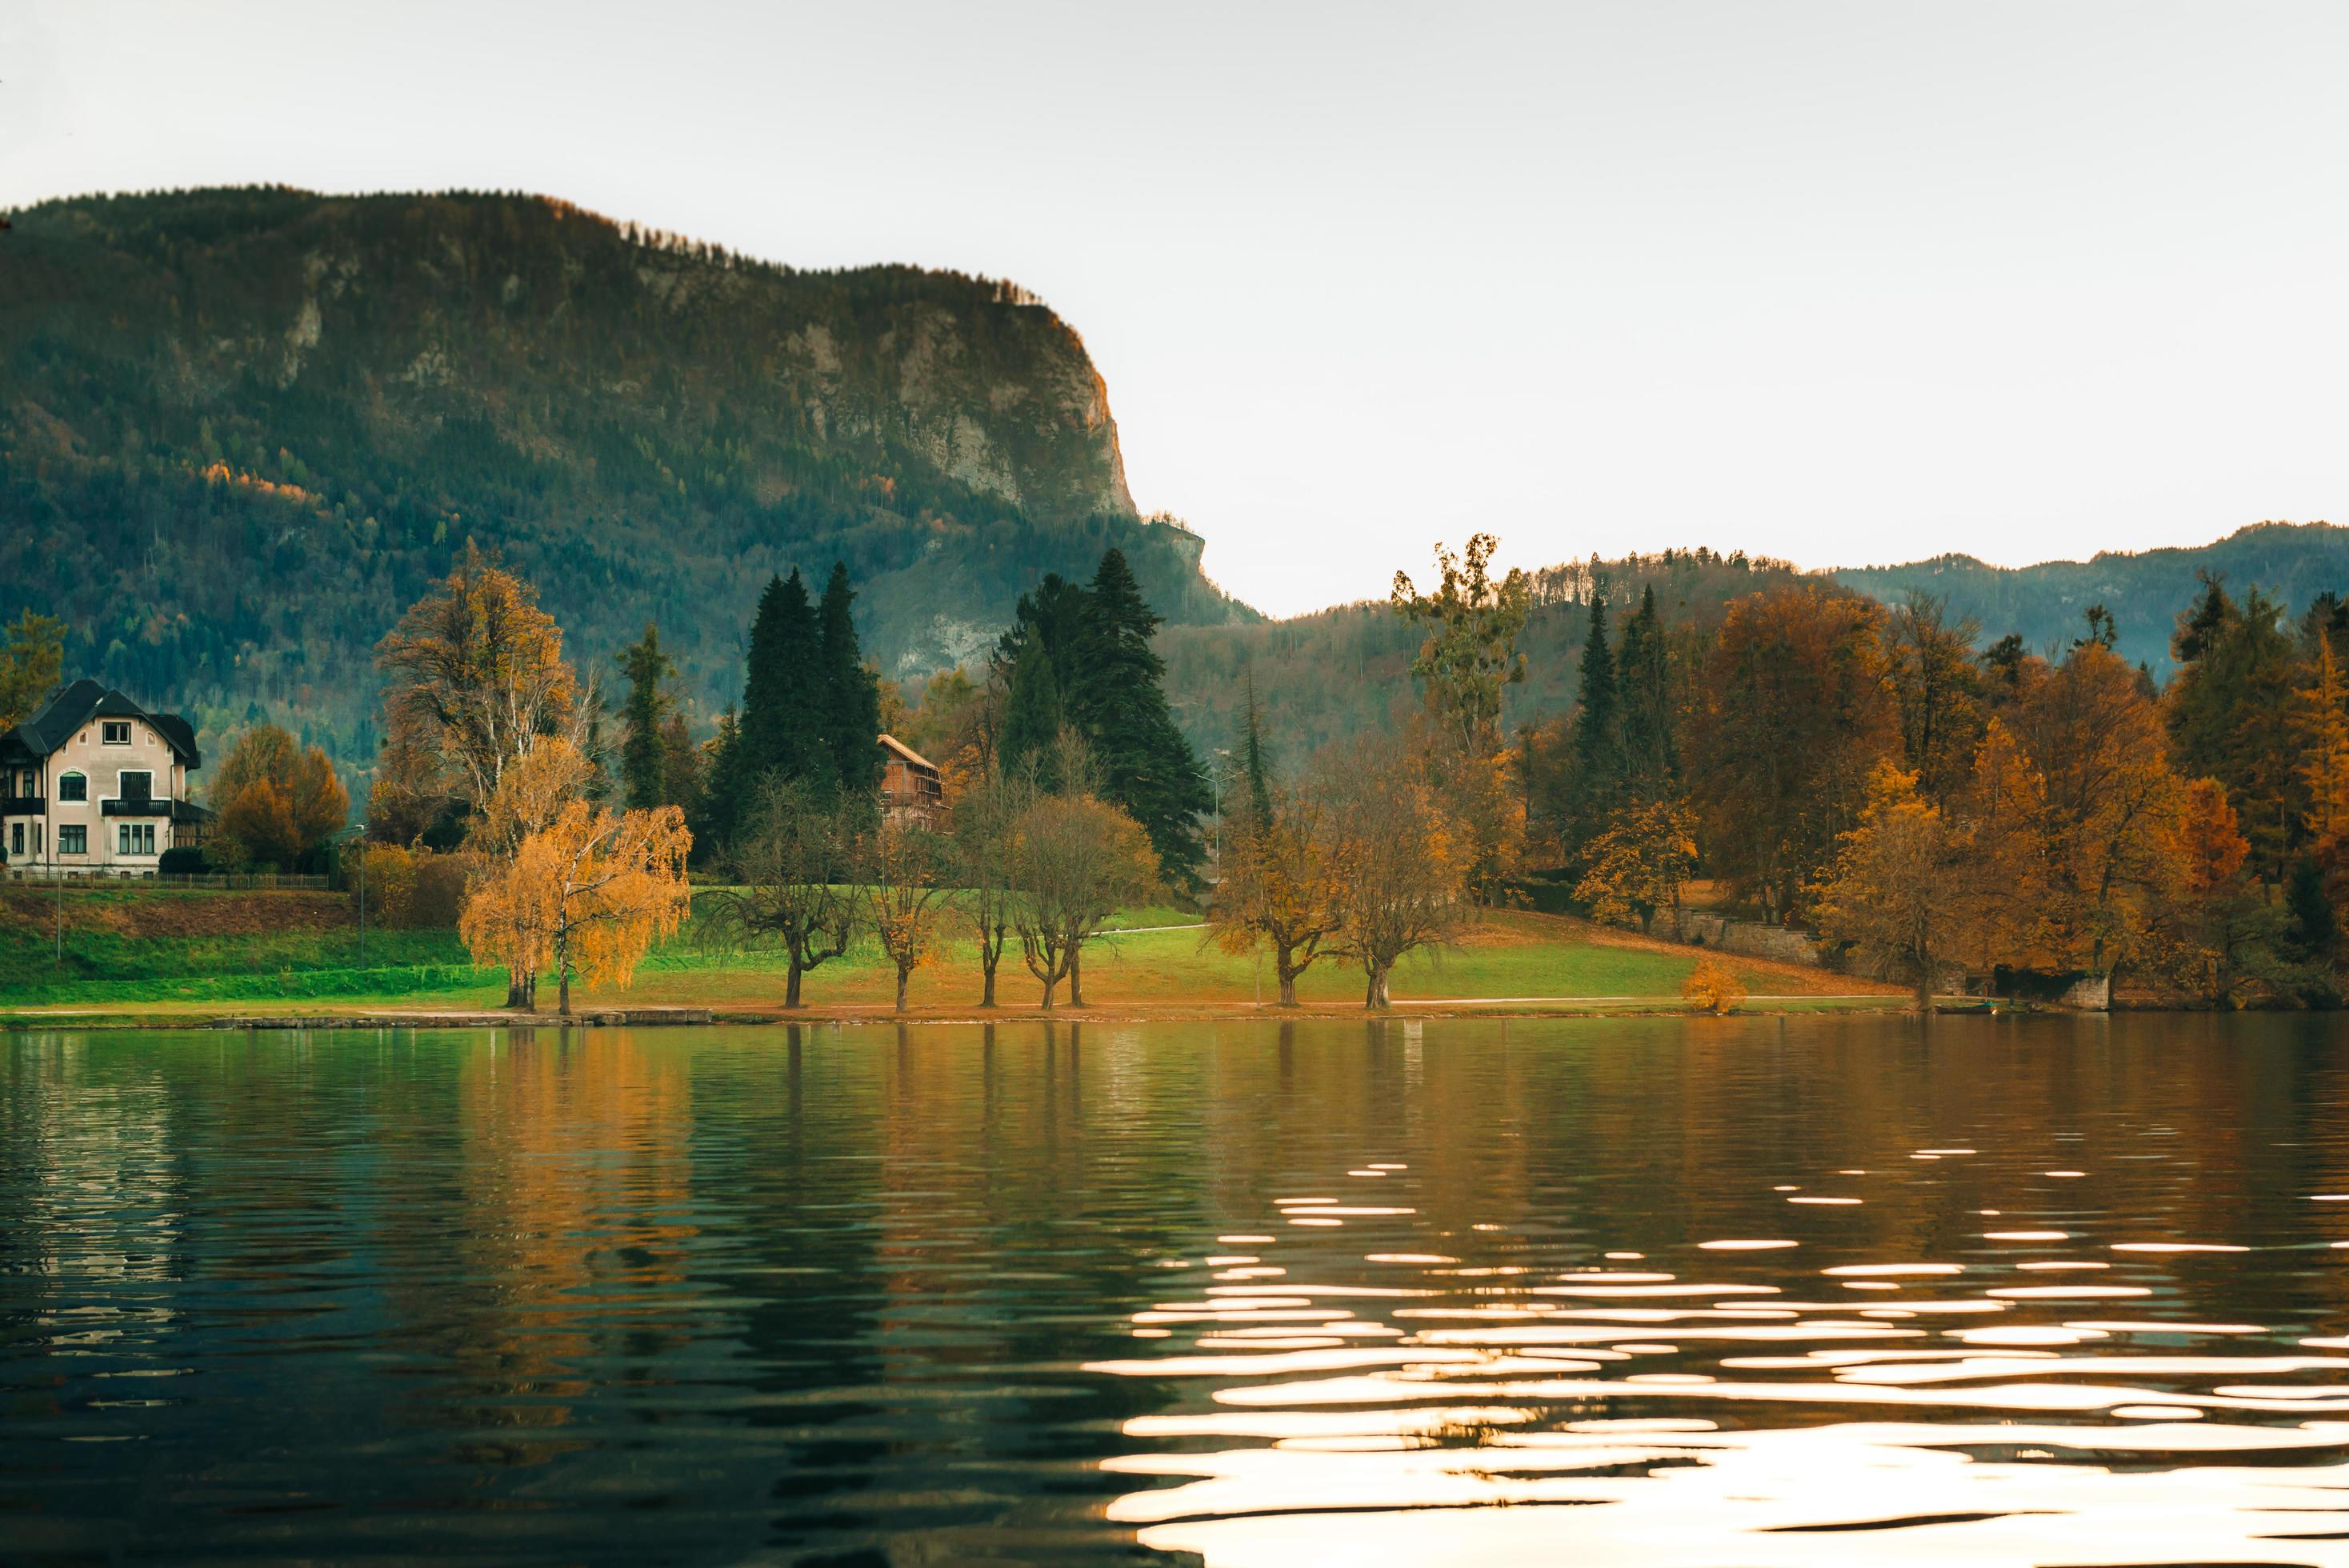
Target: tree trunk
1284 965
901 990
1924 987
986 963
791 982
563 989
1376 996
1050 984
1288 989
1076 975
517 991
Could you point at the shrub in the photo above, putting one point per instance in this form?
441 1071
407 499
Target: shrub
1711 989
412 888
184 861
391 877
438 898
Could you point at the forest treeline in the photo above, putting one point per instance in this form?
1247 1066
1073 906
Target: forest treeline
1945 808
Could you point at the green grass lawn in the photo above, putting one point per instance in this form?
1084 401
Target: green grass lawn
1510 955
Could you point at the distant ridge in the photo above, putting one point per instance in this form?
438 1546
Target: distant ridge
2145 589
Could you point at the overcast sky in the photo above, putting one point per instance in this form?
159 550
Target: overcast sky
1846 284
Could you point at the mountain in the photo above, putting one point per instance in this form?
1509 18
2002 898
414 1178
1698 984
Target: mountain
242 429
2143 589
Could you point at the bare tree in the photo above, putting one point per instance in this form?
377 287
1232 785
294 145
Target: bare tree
1076 859
907 873
1399 866
792 858
986 820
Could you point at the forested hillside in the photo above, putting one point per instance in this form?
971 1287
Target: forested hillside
1337 673
2145 590
1344 672
240 431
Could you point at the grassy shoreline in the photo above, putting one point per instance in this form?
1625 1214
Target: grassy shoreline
1155 964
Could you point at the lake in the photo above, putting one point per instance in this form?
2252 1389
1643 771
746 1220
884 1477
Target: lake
1679 1292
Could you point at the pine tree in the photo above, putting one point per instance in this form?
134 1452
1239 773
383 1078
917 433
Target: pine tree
1643 704
851 717
1255 771
1032 712
644 755
1116 698
781 730
1598 731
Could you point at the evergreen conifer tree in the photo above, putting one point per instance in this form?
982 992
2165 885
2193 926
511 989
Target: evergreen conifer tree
1117 699
1643 704
852 717
1031 712
644 758
1598 731
782 725
1254 769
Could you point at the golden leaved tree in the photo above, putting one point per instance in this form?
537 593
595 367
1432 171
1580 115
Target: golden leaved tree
1280 890
1892 890
277 798
590 893
906 891
1640 863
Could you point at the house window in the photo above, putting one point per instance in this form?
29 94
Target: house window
115 732
135 839
73 839
16 839
73 787
137 785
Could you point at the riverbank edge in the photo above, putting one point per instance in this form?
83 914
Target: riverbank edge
1408 1011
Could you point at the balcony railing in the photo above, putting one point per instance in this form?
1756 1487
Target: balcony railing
13 804
152 805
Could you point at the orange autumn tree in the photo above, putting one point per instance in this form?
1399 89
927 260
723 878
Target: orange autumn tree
1639 866
2321 730
2002 883
1892 890
1795 705
2111 808
2222 928
1280 889
277 798
590 893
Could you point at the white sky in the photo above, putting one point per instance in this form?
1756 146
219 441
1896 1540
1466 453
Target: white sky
1843 283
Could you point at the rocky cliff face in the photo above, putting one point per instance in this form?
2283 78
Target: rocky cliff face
240 429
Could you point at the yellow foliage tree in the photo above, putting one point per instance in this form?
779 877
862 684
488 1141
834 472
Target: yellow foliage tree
591 893
1890 889
1280 890
1638 864
905 892
2323 733
1711 989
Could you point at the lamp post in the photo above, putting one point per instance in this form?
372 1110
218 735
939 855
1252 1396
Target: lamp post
361 829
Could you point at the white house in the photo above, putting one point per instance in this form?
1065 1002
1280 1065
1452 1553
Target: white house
94 782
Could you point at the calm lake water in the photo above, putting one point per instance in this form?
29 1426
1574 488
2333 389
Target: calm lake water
1679 1292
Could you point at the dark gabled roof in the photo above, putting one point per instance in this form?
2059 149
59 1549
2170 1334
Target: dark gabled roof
78 703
